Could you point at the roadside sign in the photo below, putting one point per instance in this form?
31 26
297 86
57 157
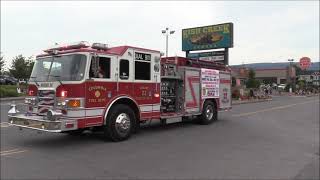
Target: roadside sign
214 56
305 63
208 37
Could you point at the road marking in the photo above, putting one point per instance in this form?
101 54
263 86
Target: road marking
9 104
4 125
270 109
12 151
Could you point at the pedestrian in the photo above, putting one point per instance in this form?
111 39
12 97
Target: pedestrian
266 91
251 93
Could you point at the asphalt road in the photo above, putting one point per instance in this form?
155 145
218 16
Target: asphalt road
277 139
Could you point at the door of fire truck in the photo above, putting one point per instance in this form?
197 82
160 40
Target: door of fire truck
100 87
146 74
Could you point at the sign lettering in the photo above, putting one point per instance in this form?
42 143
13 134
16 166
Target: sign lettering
208 37
142 56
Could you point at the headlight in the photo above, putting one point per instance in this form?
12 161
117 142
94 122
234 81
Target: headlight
61 102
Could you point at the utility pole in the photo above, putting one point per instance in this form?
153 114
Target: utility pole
166 32
292 80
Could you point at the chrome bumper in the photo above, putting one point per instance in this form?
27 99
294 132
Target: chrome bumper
40 124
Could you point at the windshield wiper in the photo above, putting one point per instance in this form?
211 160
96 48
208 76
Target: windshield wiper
57 78
35 80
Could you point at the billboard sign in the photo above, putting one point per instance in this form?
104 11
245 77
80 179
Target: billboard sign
214 56
207 37
305 63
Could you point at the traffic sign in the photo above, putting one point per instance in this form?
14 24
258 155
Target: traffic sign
305 63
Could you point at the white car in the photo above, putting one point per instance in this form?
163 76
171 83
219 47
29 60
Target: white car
22 81
281 86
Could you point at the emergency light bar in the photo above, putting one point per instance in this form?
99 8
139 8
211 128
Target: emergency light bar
75 45
99 46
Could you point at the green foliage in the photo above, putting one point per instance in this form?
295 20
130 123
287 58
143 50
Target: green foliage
288 87
252 74
301 84
252 82
235 93
8 91
21 67
298 69
233 81
1 64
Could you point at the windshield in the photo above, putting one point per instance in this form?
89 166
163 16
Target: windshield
62 68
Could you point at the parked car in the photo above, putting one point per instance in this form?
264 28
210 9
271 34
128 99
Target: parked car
9 79
2 81
281 86
22 81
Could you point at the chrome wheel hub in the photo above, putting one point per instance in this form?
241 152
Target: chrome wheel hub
123 124
209 112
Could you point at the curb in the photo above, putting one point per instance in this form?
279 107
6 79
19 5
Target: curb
12 98
248 102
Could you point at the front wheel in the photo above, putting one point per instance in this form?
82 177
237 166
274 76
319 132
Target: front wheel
119 123
209 113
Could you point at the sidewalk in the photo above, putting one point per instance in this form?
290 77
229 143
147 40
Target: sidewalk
12 98
236 102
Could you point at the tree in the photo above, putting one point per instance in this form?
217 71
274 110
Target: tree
233 81
301 84
252 82
298 69
1 64
21 67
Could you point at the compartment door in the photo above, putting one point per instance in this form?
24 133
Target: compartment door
192 91
225 90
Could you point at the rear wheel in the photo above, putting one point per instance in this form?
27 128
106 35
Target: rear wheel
119 123
209 113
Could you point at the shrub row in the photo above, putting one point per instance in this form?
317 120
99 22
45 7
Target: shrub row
9 91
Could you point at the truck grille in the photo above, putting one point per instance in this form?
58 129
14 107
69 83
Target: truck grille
46 101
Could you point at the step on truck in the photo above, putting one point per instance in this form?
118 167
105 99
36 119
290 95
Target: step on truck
83 86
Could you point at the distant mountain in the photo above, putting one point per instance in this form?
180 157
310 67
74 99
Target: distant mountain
315 66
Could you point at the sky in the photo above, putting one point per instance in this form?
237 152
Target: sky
264 31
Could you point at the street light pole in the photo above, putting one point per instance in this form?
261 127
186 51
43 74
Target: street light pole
292 80
167 44
167 33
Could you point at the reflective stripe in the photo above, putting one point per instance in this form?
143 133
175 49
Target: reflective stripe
76 113
83 113
149 107
94 112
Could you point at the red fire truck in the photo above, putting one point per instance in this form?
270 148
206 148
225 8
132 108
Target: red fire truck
81 86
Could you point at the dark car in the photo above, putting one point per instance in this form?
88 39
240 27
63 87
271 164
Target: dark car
2 81
9 79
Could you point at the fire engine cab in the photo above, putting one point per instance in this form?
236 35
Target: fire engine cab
81 86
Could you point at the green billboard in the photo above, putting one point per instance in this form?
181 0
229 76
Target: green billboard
208 37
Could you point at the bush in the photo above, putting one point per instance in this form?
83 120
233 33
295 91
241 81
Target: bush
9 91
235 94
288 87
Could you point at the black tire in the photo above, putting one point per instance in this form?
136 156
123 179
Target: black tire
121 130
209 113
